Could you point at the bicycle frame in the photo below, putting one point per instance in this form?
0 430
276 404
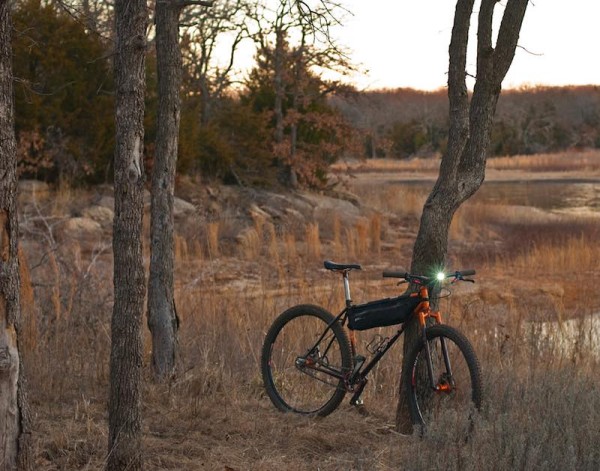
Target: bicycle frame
355 380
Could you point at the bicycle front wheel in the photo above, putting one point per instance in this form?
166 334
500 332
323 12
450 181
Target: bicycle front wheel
453 387
305 358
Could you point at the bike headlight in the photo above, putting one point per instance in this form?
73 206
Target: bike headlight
440 276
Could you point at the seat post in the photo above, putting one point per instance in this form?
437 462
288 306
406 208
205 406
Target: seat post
347 287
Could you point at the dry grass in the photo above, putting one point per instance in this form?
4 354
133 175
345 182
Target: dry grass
588 160
559 162
401 201
388 165
542 407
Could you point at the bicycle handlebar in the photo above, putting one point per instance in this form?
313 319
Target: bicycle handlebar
457 275
395 274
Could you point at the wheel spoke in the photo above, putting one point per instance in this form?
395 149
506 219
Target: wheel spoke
302 368
456 389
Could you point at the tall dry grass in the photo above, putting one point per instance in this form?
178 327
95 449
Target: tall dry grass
586 161
541 402
574 160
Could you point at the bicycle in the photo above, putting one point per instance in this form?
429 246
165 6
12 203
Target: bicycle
309 359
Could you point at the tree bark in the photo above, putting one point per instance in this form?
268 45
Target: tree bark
162 315
462 169
124 411
15 421
279 87
278 84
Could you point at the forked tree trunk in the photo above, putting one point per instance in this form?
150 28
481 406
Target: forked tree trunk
124 409
162 315
14 412
462 169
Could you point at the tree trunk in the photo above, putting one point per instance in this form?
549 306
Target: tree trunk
14 412
296 101
124 411
283 166
205 102
162 316
462 169
278 85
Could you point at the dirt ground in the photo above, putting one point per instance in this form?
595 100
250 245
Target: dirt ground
245 255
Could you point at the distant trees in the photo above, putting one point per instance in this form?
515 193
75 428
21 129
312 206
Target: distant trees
308 134
64 112
462 169
124 410
406 123
15 428
63 96
282 116
286 70
205 76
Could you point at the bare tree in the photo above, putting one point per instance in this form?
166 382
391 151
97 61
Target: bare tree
462 169
14 412
162 315
95 15
124 410
310 25
204 32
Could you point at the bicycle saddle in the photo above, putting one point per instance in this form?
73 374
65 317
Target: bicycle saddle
329 265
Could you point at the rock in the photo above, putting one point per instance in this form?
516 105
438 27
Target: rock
182 207
258 213
83 229
81 225
107 202
101 214
33 191
294 215
323 203
326 210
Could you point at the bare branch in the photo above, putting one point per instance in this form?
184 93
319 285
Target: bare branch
539 54
508 35
484 38
202 3
457 86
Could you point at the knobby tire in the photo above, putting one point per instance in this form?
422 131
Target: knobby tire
426 405
304 390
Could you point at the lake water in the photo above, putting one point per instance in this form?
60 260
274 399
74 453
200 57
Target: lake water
548 195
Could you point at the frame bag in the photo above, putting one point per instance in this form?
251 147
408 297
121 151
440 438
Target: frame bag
382 313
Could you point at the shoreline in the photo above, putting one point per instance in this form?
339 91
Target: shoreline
492 176
566 167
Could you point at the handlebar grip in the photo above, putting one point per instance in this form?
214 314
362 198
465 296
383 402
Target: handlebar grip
468 272
394 274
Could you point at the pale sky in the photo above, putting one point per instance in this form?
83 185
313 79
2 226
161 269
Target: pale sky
404 43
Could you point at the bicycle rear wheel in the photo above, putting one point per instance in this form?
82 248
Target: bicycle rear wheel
304 360
457 390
